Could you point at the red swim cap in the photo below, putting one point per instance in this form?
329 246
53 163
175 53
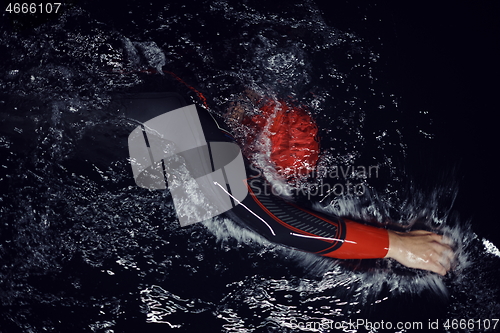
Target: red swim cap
293 135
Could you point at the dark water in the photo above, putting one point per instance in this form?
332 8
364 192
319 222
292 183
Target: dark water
83 249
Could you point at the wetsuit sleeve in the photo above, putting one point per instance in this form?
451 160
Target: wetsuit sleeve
291 225
362 242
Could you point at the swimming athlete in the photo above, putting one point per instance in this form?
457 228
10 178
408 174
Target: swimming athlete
294 146
293 138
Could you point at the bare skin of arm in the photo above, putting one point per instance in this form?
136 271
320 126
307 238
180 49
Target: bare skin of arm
420 249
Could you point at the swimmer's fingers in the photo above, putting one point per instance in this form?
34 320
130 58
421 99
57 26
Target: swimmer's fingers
447 257
443 257
445 262
445 243
437 267
443 247
448 241
433 258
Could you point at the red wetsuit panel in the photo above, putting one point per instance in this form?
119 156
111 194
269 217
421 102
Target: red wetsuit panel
293 136
362 242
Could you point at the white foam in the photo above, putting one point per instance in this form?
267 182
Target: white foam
490 248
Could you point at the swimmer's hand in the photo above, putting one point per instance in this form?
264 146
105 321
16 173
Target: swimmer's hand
420 249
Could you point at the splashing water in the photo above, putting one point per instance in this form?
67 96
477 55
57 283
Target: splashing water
84 249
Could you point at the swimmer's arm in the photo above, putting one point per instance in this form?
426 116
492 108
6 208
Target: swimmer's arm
420 249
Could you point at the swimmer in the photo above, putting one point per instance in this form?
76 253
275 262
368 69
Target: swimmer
295 150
